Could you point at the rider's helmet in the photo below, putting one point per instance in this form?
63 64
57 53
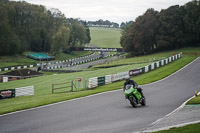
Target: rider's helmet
127 78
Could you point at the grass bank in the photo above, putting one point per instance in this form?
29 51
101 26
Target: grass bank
105 37
43 94
43 84
194 128
195 100
138 59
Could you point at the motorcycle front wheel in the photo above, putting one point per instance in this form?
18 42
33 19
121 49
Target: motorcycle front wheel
143 103
132 101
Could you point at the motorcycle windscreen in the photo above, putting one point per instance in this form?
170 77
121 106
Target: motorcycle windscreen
128 86
128 89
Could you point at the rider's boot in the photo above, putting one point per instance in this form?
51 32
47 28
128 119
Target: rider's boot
142 94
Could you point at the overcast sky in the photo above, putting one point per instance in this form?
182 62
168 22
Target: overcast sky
112 10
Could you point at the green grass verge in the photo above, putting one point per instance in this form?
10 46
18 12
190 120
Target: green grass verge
43 84
156 74
74 54
105 37
102 37
43 94
6 61
195 100
149 58
194 128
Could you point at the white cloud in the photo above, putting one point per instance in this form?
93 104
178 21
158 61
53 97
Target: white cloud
113 10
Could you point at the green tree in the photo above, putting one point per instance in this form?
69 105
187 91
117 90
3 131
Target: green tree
88 38
29 27
9 43
192 22
171 32
126 39
60 40
78 34
140 37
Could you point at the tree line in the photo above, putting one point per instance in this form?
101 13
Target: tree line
29 27
102 23
171 28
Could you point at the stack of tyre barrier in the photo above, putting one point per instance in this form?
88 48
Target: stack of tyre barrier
98 81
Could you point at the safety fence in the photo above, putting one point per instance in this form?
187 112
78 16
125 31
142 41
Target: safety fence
70 86
74 62
98 81
17 67
60 71
57 64
61 65
22 91
43 64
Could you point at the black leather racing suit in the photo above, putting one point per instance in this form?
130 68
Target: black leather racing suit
135 85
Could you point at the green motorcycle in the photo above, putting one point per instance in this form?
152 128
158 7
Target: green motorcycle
134 96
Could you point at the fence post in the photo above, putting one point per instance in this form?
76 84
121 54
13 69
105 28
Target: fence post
72 85
52 87
85 83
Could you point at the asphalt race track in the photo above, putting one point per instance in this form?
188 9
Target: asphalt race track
107 112
95 56
83 59
89 64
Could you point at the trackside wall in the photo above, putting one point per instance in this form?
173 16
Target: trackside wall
97 81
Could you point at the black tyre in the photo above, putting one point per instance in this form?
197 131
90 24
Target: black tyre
133 101
143 103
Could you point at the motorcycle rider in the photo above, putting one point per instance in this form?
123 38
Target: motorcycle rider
135 85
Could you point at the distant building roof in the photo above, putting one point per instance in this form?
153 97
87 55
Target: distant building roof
22 73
